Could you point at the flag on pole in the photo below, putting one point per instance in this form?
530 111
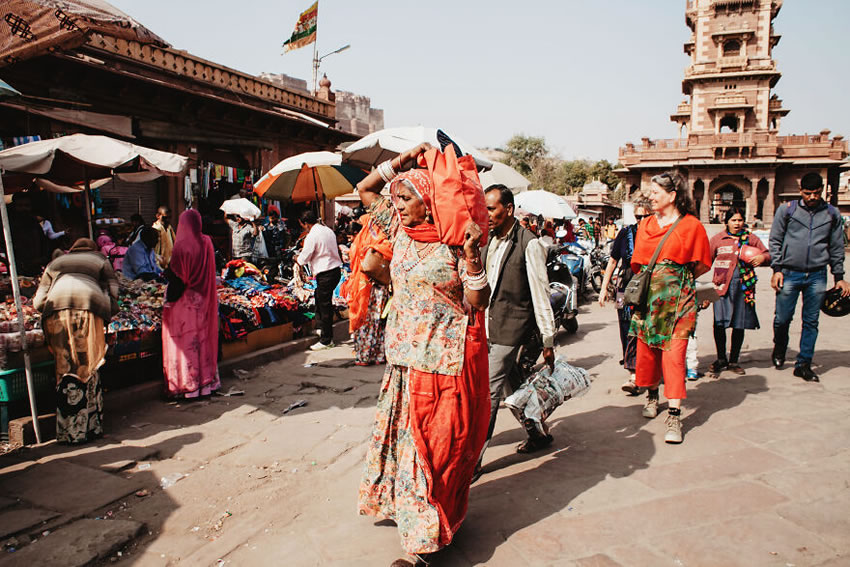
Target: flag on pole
305 29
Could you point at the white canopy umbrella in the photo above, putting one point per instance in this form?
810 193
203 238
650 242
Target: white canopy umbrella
504 174
544 203
241 207
377 147
68 162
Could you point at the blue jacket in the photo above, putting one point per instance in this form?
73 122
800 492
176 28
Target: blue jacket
806 240
139 259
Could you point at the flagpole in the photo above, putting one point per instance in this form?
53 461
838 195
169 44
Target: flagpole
316 51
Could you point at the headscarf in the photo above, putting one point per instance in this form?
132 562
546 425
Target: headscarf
193 257
419 183
84 245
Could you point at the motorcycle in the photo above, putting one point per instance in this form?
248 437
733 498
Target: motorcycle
563 295
598 262
577 260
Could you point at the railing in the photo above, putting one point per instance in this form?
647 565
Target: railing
732 61
728 100
198 69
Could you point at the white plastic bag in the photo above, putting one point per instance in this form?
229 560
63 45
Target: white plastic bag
545 390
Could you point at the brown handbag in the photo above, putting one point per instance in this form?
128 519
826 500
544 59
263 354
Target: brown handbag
375 266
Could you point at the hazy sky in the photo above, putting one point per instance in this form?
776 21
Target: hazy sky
588 75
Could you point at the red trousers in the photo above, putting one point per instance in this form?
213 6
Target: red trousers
653 364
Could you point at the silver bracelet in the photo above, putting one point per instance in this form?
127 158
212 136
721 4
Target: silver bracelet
476 282
386 171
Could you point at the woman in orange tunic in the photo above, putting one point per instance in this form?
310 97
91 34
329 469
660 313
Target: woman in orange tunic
434 406
670 317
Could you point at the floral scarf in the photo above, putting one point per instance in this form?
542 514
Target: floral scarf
746 271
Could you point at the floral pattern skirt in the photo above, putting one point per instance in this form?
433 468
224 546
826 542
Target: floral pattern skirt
76 340
394 486
369 338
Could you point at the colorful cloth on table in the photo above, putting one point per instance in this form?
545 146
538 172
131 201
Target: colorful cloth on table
190 324
76 339
435 395
369 335
79 409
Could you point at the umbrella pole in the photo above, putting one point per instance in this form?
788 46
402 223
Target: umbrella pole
16 292
321 201
88 207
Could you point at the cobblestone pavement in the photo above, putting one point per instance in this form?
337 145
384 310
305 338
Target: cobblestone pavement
761 479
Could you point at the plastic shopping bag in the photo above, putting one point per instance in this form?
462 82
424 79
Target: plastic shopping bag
545 390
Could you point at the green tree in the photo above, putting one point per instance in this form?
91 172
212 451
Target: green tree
525 152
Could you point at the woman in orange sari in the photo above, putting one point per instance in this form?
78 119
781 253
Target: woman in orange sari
434 407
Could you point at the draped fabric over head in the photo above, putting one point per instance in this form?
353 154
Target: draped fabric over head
419 183
193 257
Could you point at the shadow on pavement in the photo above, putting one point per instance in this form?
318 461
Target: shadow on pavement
589 447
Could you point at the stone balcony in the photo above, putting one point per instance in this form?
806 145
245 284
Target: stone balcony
731 101
760 144
732 62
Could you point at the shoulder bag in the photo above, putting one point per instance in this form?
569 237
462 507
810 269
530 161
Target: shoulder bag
637 290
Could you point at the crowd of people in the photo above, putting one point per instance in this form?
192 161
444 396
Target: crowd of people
448 310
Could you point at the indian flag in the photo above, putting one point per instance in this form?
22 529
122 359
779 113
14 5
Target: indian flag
305 29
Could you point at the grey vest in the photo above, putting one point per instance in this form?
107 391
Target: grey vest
511 316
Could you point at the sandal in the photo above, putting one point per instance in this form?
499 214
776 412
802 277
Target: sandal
533 445
718 366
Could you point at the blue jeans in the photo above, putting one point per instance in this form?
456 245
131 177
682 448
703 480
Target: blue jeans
813 286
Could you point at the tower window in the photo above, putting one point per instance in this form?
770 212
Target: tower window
732 47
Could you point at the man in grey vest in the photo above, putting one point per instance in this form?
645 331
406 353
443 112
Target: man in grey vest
515 261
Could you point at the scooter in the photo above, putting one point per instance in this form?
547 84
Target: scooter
577 260
562 293
598 262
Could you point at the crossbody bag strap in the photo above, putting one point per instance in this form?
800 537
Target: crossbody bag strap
651 265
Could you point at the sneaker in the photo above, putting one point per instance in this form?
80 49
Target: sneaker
650 408
320 346
631 388
692 374
674 429
804 371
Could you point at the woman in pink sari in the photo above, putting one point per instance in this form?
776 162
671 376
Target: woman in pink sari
190 314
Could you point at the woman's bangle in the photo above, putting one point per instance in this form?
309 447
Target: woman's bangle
386 171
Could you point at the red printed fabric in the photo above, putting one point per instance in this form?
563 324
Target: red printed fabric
449 417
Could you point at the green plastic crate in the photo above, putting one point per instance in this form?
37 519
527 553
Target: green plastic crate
13 383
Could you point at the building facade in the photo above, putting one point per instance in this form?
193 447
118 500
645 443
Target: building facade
729 147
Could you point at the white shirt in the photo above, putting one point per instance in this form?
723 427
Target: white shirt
320 250
538 282
47 227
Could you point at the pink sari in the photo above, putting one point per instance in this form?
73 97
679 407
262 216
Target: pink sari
190 324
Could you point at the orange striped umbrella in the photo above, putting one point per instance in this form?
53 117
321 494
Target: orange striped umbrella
308 177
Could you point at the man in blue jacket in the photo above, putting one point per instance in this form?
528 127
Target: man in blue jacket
805 238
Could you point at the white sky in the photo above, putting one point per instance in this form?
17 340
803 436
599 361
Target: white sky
588 75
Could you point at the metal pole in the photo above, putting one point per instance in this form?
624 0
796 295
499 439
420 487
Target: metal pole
88 206
16 291
315 62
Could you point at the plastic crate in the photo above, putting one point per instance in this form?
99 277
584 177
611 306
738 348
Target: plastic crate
13 383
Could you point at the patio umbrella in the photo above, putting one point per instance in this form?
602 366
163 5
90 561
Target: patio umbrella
549 205
505 175
69 161
309 177
241 207
377 147
7 90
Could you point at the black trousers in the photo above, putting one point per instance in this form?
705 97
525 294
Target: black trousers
326 283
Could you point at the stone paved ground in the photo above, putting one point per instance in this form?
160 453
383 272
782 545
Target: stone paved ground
763 477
